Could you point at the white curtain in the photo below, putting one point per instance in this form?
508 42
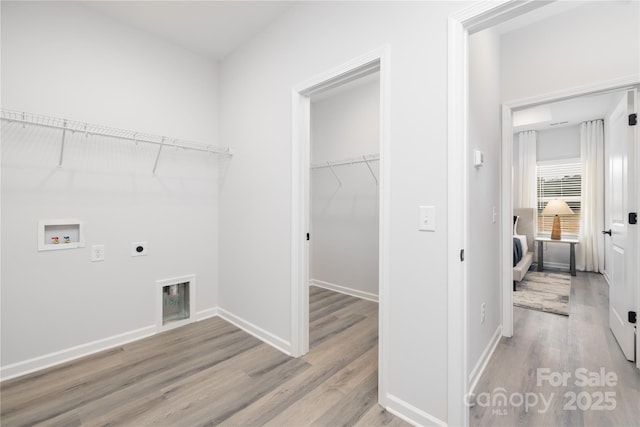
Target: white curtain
590 251
526 196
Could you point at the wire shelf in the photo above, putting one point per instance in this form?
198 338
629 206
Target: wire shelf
351 161
91 129
87 129
367 158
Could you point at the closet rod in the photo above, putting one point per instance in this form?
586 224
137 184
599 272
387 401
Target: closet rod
351 161
89 129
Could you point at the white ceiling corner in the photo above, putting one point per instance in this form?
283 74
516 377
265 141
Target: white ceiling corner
210 28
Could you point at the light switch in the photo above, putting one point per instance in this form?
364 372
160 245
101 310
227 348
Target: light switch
478 158
427 218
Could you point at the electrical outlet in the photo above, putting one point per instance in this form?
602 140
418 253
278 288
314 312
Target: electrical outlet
97 253
139 248
494 214
483 309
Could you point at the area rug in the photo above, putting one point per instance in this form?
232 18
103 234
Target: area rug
543 291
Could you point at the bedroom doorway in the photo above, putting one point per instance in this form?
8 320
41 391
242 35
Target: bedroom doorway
607 105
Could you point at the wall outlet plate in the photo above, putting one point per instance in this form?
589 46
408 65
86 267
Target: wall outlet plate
97 253
139 249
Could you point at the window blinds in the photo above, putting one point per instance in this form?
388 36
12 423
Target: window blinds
560 180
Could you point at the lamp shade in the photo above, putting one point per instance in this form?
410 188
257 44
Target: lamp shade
557 207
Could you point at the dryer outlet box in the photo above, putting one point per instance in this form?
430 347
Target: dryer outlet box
139 248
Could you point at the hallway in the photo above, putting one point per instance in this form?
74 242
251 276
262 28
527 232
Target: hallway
562 345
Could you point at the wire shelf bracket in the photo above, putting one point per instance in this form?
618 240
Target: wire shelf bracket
24 118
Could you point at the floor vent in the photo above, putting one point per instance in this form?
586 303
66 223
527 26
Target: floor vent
175 301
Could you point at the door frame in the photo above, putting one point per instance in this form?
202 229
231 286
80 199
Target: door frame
376 60
477 17
506 184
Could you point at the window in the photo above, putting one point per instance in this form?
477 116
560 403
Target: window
560 180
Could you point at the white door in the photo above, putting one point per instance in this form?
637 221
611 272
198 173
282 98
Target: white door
622 284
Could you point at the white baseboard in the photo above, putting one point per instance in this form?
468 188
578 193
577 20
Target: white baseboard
263 335
480 366
206 314
344 290
410 413
606 278
48 360
556 265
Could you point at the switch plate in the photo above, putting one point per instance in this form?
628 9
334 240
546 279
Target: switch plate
139 248
97 253
494 214
478 158
427 218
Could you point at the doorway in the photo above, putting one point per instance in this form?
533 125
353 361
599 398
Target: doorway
576 151
344 208
610 97
365 65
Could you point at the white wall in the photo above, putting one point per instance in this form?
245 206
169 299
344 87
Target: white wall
595 42
344 219
559 143
62 59
255 253
484 197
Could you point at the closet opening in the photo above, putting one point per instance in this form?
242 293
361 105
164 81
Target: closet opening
340 220
344 215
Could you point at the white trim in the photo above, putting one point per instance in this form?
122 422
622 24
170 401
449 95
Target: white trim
344 290
606 277
189 278
300 142
252 329
506 227
560 266
457 412
206 313
481 365
507 159
411 414
72 353
616 84
377 59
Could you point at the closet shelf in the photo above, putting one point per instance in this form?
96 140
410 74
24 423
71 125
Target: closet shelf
87 129
351 161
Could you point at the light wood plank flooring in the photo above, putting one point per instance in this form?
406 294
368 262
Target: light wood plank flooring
212 373
562 344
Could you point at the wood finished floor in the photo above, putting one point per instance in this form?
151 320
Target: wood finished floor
563 344
212 373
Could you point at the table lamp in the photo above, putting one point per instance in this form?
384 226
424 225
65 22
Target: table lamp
556 207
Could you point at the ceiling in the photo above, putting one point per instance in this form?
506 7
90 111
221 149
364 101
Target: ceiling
210 28
572 111
216 28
